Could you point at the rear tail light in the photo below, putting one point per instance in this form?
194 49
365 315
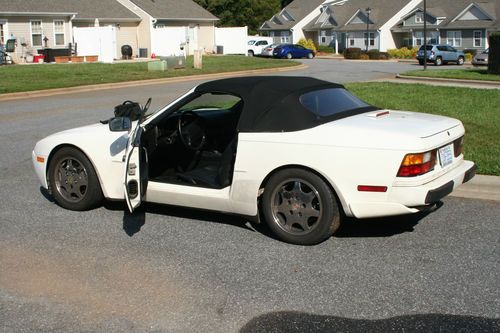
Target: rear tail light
417 164
457 146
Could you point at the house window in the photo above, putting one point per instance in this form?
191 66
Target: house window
419 17
478 38
285 36
454 38
36 33
2 33
323 36
271 33
59 32
351 41
372 38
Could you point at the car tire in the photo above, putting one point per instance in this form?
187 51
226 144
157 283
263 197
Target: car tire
73 180
438 61
289 56
310 55
420 62
250 53
299 207
460 61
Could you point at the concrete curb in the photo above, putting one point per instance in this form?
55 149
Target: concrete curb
480 187
459 81
94 87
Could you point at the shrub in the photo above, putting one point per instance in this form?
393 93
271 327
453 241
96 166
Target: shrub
326 49
468 57
384 56
364 56
373 54
352 53
308 44
471 51
403 53
494 54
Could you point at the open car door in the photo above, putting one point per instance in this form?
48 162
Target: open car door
135 170
136 165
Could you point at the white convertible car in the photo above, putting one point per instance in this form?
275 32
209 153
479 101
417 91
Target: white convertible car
296 151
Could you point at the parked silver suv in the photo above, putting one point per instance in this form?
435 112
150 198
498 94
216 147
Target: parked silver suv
441 54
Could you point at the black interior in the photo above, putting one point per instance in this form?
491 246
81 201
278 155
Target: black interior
195 147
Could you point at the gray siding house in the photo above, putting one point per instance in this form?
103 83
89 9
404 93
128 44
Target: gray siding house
357 23
462 24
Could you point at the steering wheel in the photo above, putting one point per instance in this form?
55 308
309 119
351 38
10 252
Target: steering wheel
191 128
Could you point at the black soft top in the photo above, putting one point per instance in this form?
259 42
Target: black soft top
271 103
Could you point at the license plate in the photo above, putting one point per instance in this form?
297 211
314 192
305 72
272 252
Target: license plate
445 155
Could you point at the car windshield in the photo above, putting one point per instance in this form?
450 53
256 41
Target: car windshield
429 48
328 102
251 42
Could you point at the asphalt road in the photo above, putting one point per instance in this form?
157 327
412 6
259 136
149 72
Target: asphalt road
168 269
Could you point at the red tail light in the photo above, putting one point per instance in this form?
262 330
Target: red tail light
457 146
417 164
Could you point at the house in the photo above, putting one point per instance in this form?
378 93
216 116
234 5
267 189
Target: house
463 24
286 26
104 26
168 25
51 23
382 25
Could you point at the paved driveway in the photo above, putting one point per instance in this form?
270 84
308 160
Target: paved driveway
168 269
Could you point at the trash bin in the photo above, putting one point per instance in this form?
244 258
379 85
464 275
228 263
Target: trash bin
143 53
50 54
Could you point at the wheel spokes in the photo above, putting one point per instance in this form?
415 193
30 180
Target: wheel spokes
296 206
71 179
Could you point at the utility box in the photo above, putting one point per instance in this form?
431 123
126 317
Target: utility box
175 62
157 66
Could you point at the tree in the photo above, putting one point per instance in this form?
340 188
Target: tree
285 3
251 13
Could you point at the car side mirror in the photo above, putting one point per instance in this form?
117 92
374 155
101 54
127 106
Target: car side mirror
120 124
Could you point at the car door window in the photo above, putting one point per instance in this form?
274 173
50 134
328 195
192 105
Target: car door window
210 101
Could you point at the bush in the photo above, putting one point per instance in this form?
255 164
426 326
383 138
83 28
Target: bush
403 53
364 56
468 57
373 54
494 54
471 51
326 49
352 53
308 44
384 56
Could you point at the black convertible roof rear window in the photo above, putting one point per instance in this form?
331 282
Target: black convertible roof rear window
331 101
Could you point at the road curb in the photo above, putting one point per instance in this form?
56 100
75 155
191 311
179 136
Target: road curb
94 87
480 187
459 81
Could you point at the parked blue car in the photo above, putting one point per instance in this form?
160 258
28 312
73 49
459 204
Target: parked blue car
290 51
441 54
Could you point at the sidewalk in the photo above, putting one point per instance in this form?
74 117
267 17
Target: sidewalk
449 82
480 187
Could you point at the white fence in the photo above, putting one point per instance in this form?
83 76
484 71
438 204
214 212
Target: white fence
233 40
100 41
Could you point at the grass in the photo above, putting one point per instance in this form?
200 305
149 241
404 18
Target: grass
48 76
463 74
478 109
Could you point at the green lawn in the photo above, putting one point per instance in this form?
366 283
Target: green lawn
464 74
478 110
47 76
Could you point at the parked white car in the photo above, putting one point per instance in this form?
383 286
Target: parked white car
257 44
298 152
